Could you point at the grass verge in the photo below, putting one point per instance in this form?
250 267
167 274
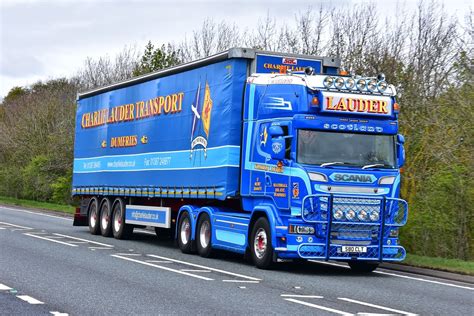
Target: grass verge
35 204
442 264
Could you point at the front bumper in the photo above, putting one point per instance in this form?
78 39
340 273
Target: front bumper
331 235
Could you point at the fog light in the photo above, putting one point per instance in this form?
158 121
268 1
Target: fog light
372 85
394 233
339 84
362 215
350 215
374 216
338 214
361 83
328 82
350 83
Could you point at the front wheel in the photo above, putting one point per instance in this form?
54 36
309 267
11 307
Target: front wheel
184 233
363 267
204 235
261 249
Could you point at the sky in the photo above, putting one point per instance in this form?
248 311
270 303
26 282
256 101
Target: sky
46 39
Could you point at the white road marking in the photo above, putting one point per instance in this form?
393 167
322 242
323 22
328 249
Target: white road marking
158 261
29 299
163 268
207 268
297 287
242 287
35 213
425 280
240 281
3 287
14 225
86 240
127 254
56 241
59 314
301 296
399 276
191 270
2 228
335 311
376 306
99 248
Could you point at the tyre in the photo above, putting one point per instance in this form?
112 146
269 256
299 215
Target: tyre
105 218
363 267
93 217
261 248
120 230
204 236
184 234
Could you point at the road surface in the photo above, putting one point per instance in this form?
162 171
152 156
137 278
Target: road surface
47 267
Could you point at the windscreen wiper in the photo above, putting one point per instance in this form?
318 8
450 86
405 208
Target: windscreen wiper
332 163
375 165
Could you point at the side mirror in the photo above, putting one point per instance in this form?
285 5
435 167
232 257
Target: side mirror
400 150
278 149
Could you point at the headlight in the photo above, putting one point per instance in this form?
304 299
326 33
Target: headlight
372 85
361 83
339 83
382 86
350 83
350 215
362 215
314 176
338 214
374 216
387 180
328 82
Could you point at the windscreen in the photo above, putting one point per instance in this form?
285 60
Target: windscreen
330 148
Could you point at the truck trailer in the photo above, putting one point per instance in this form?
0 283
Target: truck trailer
275 156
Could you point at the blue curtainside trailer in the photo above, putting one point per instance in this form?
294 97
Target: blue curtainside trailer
274 155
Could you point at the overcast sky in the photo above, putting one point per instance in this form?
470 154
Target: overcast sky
45 39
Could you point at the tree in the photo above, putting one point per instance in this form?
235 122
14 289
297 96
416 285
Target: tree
154 59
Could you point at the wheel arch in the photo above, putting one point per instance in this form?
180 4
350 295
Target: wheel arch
269 212
191 210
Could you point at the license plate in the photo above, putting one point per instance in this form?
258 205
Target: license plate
353 249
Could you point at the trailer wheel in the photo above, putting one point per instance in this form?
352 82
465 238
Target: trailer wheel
105 218
93 214
204 236
261 249
120 230
363 267
184 234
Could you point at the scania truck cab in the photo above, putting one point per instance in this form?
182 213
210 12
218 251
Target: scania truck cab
323 153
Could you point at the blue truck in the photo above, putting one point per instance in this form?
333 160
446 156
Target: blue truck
275 156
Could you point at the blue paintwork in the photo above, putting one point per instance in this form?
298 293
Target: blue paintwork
241 160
